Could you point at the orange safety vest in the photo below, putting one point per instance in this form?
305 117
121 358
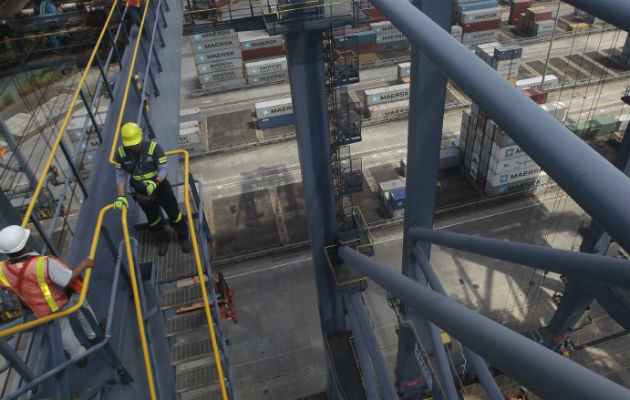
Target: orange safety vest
135 3
30 281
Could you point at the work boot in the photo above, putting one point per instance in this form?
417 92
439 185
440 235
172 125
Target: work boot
162 249
186 245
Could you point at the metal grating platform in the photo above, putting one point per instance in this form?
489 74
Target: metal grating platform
190 350
174 266
187 322
196 378
181 296
210 394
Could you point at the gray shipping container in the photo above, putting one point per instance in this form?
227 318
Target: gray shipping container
221 86
214 45
218 55
221 76
392 46
213 35
223 65
261 79
266 66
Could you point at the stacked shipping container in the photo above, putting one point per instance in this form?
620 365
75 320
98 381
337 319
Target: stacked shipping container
274 113
388 37
518 7
505 59
536 21
480 21
387 102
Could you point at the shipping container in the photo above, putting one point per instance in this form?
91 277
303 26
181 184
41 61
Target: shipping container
213 35
481 26
404 70
88 157
397 198
273 108
477 5
189 114
189 136
218 55
392 46
189 124
221 76
475 16
390 37
355 39
266 66
385 187
223 65
523 186
262 53
480 37
254 40
398 109
214 45
521 163
262 79
557 109
550 81
449 158
220 86
498 179
386 94
456 32
273 122
381 28
506 153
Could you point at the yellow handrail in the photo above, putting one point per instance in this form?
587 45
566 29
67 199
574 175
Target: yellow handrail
86 282
126 93
53 150
202 283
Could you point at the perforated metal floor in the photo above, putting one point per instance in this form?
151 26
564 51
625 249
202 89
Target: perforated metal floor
190 350
196 378
209 395
181 296
173 266
187 322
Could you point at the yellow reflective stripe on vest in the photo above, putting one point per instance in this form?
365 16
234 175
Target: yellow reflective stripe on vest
162 160
152 224
117 165
121 151
152 148
179 218
44 286
3 278
145 176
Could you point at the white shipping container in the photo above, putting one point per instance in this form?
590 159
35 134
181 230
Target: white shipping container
218 55
550 81
456 31
221 76
266 66
498 179
404 70
557 109
252 40
214 45
221 86
217 66
189 124
389 110
506 153
387 94
189 114
189 137
268 78
390 37
521 186
499 167
384 27
273 108
513 63
480 37
213 35
481 15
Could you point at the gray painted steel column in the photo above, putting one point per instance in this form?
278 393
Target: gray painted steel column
599 188
8 137
593 267
478 364
616 12
548 374
305 57
361 347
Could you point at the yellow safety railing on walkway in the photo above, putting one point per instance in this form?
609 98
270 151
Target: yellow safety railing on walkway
55 146
84 289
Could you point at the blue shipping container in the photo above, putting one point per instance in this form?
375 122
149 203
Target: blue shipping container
397 198
273 122
476 6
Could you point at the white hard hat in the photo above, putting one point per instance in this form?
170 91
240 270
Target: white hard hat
13 238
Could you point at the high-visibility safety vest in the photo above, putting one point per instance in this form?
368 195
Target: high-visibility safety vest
29 280
135 3
142 165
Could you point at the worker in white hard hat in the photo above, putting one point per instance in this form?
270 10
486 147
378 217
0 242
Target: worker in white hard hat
144 162
45 284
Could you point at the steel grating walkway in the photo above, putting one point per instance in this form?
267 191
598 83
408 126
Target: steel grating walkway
187 322
197 378
174 266
191 350
181 296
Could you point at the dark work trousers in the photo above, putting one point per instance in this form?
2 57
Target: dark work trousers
165 198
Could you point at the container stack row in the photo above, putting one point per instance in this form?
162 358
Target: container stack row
505 59
274 113
387 102
228 60
388 37
480 21
392 195
518 7
190 129
536 21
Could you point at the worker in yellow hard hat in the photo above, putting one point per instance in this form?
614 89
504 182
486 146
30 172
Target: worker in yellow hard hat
145 163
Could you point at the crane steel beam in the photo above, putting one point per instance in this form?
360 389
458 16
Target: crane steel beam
478 364
592 267
546 373
596 185
616 12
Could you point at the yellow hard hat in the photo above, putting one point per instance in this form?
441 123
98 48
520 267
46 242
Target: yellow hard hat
131 134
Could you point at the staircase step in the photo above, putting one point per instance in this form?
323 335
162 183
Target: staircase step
190 350
187 322
174 266
210 394
196 378
181 296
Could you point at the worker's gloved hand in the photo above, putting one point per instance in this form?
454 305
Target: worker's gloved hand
151 186
120 201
